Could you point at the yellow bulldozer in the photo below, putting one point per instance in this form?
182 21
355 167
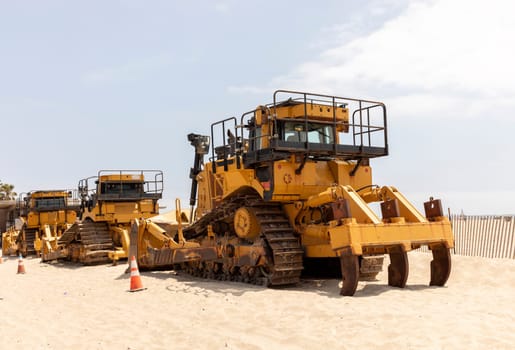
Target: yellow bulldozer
288 187
109 202
45 215
9 237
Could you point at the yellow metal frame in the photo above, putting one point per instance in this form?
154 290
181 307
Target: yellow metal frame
379 238
365 232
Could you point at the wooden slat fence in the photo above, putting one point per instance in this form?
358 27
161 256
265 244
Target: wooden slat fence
489 236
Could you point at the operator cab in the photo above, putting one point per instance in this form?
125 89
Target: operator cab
44 201
49 203
118 188
304 125
314 126
121 186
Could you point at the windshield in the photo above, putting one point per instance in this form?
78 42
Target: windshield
121 187
49 203
316 132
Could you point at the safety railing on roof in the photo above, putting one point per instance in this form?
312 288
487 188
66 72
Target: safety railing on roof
365 133
122 184
367 126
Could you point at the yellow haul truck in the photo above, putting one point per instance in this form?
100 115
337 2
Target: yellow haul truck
45 215
288 186
109 202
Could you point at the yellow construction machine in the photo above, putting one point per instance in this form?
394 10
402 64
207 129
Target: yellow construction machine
45 215
110 201
288 187
159 243
9 237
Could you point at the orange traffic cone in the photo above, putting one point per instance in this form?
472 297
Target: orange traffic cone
136 284
21 267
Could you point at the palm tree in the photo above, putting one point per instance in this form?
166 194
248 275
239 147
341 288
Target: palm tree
6 191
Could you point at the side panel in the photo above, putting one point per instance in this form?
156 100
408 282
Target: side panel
341 171
205 183
315 177
32 220
214 187
71 216
314 111
122 212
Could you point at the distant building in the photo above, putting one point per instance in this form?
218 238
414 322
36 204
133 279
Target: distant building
6 215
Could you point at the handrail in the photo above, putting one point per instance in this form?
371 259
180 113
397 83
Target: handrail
152 183
367 118
224 144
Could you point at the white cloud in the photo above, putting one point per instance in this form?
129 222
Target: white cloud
442 61
444 55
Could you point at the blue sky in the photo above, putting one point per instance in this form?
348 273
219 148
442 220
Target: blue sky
90 85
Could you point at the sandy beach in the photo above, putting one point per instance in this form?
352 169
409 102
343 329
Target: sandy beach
66 306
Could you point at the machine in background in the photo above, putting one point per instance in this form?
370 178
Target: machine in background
110 201
45 215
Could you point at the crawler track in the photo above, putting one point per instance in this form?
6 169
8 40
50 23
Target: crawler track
88 242
273 258
26 241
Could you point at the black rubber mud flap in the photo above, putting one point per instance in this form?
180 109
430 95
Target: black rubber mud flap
440 265
350 272
398 269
